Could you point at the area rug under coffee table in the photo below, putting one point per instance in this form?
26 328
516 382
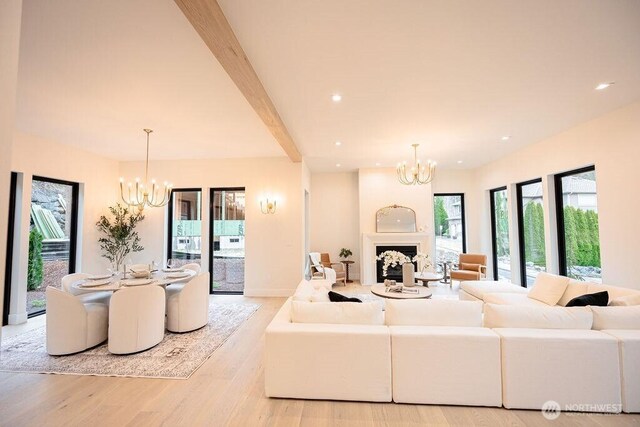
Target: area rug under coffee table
177 356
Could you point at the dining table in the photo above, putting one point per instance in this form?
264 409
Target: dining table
116 283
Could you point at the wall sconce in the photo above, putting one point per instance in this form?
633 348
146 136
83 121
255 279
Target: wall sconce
268 206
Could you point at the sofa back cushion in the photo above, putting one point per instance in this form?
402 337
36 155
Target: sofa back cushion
312 291
626 300
548 288
616 317
426 312
575 288
615 292
518 316
366 313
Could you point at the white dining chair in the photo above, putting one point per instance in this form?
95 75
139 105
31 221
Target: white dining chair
86 296
73 326
136 319
188 304
193 267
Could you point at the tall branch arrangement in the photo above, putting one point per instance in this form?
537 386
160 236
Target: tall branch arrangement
120 237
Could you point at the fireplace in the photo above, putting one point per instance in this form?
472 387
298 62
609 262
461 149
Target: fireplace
393 273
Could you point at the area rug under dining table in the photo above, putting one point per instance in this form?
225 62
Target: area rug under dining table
177 356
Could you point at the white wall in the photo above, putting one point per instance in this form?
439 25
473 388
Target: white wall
10 20
334 216
611 143
274 243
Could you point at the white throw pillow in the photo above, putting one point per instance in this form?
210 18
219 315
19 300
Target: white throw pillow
351 313
433 313
625 301
519 316
548 288
574 289
616 317
321 295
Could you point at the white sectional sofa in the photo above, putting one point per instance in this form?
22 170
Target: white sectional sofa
450 353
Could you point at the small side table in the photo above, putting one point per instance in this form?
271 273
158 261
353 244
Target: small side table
347 263
445 266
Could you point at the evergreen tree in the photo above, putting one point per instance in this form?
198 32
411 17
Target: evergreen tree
502 224
571 238
35 265
441 217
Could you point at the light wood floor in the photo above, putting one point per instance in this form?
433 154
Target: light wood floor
228 390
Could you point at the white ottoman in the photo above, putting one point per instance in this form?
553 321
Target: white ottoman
476 289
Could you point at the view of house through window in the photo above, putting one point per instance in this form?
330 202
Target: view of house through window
185 227
449 226
227 248
531 230
578 231
500 234
51 238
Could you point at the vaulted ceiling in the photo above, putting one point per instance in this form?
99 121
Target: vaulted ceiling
454 76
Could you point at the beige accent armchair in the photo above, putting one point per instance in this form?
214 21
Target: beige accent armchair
334 272
470 267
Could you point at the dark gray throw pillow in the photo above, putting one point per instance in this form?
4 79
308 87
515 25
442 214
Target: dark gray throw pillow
336 297
598 299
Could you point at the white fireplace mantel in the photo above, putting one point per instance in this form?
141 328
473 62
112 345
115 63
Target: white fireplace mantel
371 240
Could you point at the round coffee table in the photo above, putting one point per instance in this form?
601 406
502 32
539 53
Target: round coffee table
380 290
427 277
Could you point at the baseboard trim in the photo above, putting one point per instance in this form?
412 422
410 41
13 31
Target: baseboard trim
268 292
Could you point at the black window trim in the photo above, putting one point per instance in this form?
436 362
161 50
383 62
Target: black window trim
211 236
8 273
494 247
170 218
73 238
462 216
562 245
521 245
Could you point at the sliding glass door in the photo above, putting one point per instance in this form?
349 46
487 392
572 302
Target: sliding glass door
578 230
500 234
227 240
531 231
52 238
185 227
449 226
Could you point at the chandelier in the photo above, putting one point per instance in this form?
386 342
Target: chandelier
140 194
418 173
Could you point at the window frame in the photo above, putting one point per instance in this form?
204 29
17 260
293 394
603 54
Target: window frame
562 244
521 244
494 246
211 237
8 272
170 219
462 217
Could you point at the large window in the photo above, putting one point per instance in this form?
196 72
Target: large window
578 233
449 226
227 240
531 231
500 234
52 238
185 227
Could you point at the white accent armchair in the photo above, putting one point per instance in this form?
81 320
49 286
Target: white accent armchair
188 304
85 296
73 326
136 319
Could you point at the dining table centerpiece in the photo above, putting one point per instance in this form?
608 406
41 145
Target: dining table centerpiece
119 235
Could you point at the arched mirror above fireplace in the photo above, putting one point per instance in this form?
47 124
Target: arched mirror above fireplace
396 219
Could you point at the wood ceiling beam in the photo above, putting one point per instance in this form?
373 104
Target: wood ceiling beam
209 21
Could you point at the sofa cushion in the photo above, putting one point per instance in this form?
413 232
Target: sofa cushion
511 299
614 291
367 313
312 291
575 288
624 301
336 297
600 299
518 316
616 317
478 288
427 312
470 267
548 288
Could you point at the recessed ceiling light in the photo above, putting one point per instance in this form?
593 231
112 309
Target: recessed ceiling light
336 97
377 164
338 143
338 165
605 85
506 137
459 161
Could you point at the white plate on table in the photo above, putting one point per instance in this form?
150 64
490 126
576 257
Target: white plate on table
135 282
172 270
99 276
94 283
177 275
